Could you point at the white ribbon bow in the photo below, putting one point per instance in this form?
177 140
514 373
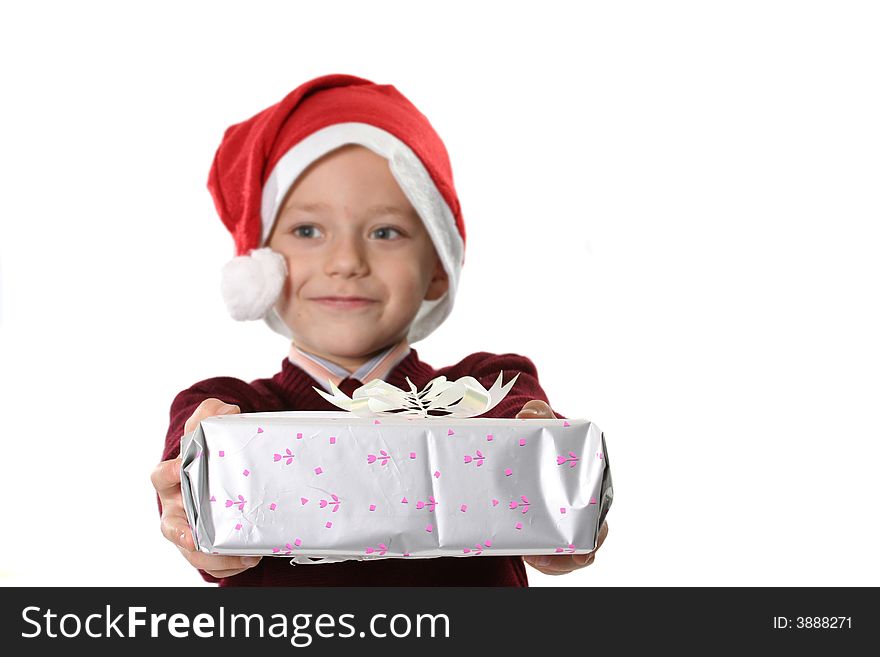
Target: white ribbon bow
465 397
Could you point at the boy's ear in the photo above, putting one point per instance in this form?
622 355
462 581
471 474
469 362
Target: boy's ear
439 283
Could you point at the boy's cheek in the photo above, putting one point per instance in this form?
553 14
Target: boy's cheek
414 292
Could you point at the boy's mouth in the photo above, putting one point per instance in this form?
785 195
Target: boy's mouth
344 302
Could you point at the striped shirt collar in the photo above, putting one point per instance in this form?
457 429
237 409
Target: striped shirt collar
322 369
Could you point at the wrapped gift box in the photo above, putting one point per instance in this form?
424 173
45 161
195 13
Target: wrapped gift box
317 486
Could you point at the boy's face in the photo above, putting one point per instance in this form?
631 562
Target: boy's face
347 230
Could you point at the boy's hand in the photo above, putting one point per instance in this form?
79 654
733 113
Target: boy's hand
551 564
166 481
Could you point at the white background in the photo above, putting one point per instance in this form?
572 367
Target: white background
671 208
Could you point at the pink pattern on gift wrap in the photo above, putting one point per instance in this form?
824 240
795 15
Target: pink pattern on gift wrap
562 509
318 470
450 433
383 457
464 508
299 436
240 502
238 526
489 437
273 506
332 440
221 453
380 549
436 474
572 460
478 548
507 472
304 500
213 499
429 528
429 504
287 455
404 501
412 455
524 505
328 524
518 525
569 549
245 472
288 548
376 422
372 507
522 442
478 457
600 456
494 502
334 503
565 423
259 430
592 500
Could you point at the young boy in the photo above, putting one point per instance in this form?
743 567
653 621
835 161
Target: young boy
350 241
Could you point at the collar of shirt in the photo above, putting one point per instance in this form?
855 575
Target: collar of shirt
321 369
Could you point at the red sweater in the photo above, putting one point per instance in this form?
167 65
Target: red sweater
291 389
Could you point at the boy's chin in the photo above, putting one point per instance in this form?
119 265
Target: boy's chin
346 347
359 351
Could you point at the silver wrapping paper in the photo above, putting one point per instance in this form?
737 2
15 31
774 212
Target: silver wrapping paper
319 486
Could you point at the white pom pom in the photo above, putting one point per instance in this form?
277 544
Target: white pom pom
251 284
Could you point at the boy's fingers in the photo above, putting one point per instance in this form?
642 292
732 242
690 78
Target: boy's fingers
215 562
220 574
536 409
584 559
559 565
176 529
166 478
549 569
209 408
181 536
227 573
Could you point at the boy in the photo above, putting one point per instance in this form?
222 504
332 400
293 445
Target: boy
350 242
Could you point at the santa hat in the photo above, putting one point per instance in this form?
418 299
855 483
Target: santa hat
259 159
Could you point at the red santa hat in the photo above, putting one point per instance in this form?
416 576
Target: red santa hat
259 159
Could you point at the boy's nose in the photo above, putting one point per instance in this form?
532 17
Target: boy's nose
346 257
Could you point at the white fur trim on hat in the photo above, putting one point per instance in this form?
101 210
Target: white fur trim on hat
251 283
414 181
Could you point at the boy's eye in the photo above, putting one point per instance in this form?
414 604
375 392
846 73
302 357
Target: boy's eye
308 228
385 229
309 231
